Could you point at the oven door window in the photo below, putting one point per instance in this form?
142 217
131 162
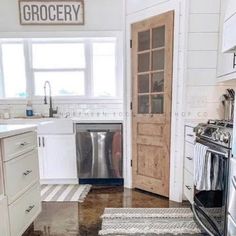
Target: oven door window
211 203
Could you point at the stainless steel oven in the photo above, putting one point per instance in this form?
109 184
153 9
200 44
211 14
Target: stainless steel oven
210 204
232 199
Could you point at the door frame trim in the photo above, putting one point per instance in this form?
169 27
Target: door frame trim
176 158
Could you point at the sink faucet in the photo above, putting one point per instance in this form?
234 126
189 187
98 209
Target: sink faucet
51 110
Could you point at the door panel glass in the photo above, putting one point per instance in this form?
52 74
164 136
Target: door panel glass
143 104
158 82
158 60
143 83
143 62
158 37
144 40
157 102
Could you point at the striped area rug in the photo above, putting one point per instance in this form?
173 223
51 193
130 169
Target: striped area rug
149 222
64 193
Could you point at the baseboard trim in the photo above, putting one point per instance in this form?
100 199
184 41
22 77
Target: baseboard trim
59 181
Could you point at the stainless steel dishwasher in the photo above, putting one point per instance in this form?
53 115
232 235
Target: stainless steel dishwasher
99 154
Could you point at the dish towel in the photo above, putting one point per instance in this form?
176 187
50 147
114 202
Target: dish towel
202 167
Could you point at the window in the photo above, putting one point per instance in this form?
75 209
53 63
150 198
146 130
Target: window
104 67
62 64
86 68
13 70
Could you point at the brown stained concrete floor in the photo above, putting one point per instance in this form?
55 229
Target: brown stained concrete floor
83 219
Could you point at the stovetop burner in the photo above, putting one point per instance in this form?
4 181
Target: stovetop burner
216 131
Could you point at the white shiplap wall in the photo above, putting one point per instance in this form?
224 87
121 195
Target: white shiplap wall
203 92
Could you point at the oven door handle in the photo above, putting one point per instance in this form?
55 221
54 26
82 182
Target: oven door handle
234 181
212 150
217 152
194 207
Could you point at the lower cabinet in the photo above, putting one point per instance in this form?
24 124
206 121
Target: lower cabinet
24 210
57 159
4 222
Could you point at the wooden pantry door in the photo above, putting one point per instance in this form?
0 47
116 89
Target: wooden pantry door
152 62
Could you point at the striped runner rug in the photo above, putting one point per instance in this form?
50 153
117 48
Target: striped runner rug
64 193
148 222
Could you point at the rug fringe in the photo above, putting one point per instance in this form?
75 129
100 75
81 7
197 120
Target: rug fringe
124 216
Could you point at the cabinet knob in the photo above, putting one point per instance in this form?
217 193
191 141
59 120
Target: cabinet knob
189 158
29 209
23 144
27 172
188 187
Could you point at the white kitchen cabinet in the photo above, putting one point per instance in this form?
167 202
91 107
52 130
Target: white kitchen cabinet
229 33
188 162
57 159
4 222
21 201
226 68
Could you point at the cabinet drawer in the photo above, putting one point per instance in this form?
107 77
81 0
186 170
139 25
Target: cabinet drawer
189 134
24 210
18 145
20 174
188 186
188 157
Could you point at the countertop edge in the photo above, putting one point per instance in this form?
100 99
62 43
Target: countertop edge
18 129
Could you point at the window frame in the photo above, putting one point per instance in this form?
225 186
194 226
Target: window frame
88 97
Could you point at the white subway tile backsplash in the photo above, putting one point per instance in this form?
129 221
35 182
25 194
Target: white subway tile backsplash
89 111
199 96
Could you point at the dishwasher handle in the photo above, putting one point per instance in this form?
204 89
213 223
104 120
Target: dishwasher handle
98 130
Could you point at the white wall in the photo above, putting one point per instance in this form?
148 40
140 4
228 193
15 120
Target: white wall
133 6
102 18
203 92
100 15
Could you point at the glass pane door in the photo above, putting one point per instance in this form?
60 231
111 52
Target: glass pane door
151 71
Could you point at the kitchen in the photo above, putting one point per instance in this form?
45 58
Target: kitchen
94 52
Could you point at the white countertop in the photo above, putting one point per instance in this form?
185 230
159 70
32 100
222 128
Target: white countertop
37 121
10 130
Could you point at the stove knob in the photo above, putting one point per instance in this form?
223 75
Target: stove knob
222 135
214 136
226 137
218 136
200 131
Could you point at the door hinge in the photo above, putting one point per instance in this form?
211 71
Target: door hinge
131 106
131 163
131 43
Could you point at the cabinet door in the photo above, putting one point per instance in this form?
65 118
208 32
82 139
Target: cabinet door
226 61
59 157
4 223
41 157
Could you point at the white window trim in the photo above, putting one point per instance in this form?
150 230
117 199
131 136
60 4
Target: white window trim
88 90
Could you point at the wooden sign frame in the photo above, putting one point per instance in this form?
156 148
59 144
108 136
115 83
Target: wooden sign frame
54 3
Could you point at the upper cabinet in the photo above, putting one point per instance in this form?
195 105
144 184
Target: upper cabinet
229 32
226 69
